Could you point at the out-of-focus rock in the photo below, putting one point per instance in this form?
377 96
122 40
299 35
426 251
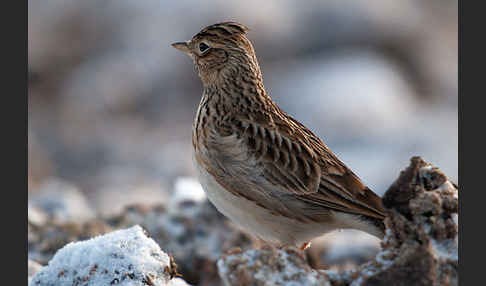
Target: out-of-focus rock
187 191
36 216
123 257
342 250
55 218
419 248
189 228
61 201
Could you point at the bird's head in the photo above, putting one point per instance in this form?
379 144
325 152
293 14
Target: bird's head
220 50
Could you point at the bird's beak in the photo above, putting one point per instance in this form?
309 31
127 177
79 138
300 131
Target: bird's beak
182 46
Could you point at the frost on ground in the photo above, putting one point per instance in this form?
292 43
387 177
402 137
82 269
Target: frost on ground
190 229
123 257
419 248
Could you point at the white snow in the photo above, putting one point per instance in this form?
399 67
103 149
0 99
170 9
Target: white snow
177 282
35 215
349 243
445 250
127 256
188 188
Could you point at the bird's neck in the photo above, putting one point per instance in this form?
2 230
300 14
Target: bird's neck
239 86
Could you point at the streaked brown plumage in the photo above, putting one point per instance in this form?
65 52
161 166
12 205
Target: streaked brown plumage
259 166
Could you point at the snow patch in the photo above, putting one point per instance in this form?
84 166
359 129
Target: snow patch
124 257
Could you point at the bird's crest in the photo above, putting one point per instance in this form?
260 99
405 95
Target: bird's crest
224 29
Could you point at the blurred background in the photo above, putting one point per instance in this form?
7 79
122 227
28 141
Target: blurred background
111 103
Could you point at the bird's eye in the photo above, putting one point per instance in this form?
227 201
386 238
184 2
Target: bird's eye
203 47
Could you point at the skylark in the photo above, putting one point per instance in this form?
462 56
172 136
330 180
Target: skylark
259 166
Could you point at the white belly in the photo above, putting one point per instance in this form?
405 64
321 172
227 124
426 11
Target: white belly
257 220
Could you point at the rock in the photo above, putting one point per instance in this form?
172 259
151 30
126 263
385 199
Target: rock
123 257
269 267
61 201
189 228
420 245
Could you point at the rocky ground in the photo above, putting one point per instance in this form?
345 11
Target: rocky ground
186 241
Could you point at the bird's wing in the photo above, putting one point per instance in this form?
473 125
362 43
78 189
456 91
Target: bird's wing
294 161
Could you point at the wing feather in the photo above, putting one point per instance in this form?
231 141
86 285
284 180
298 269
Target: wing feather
302 165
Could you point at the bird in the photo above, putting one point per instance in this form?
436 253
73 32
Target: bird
260 167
